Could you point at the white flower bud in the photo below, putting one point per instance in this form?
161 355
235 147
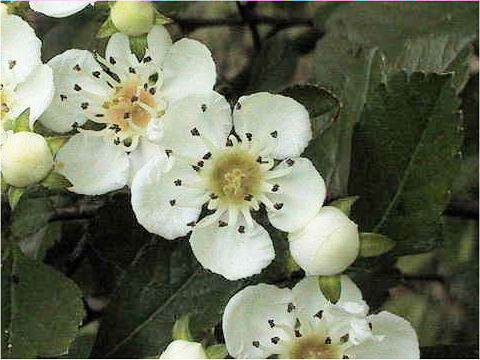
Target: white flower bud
182 349
133 18
327 245
26 159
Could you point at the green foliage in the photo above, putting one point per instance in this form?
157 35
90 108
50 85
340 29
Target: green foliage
344 204
331 287
372 244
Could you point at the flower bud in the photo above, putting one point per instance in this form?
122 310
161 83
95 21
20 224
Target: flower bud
182 349
133 18
327 245
26 159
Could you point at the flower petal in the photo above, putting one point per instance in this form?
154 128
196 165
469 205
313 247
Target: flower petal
301 194
92 165
399 342
35 93
119 55
233 251
20 49
182 349
208 113
246 320
161 205
159 43
188 68
144 152
58 8
274 119
71 68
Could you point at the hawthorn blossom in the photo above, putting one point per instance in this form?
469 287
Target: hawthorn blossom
59 9
25 83
264 320
124 100
183 349
233 174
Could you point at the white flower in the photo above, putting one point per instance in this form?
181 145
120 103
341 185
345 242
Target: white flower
59 9
263 320
327 245
26 83
128 100
182 349
26 159
206 165
133 18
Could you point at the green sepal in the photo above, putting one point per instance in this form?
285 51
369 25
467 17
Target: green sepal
217 351
345 204
14 194
331 287
292 265
181 329
161 19
373 244
107 29
55 180
22 122
138 45
55 143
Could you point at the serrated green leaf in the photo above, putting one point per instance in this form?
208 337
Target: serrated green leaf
218 351
14 194
344 204
41 309
372 244
22 122
107 29
331 287
56 142
55 180
405 157
181 329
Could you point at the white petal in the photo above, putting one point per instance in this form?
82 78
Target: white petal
92 165
246 317
326 245
35 93
182 349
20 49
119 55
274 118
350 292
301 192
187 114
188 68
144 152
154 188
63 112
159 42
399 342
231 253
58 8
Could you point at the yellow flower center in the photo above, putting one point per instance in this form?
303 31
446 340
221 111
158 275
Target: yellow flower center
6 100
314 347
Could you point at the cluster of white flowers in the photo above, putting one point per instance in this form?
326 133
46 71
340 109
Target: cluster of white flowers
197 165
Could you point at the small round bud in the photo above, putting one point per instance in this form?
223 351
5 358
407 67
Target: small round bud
26 159
327 245
133 18
182 349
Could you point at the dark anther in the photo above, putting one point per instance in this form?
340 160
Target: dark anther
172 202
204 107
145 86
278 206
84 105
109 85
297 333
77 87
116 141
256 344
168 152
328 341
274 134
345 357
11 64
63 97
147 59
213 196
275 339
112 60
344 338
260 161
238 106
196 168
290 307
75 125
370 326
241 229
77 68
271 323
207 156
152 91
248 197
96 74
249 136
115 128
290 162
200 163
126 115
275 187
319 314
178 182
191 224
134 98
131 70
229 142
15 279
222 223
99 115
195 132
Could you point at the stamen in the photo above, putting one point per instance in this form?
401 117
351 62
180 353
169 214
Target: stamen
319 314
204 107
290 307
274 134
241 229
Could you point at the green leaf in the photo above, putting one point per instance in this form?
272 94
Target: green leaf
36 245
218 351
160 286
22 122
14 194
181 329
55 180
372 244
405 157
344 204
41 309
56 142
107 29
331 287
81 346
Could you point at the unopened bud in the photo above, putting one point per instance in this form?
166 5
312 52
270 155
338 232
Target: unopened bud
133 18
182 349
